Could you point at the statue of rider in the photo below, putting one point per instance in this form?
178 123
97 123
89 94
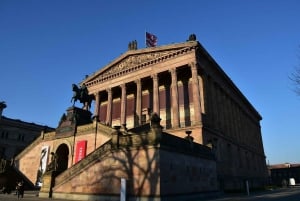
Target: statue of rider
83 93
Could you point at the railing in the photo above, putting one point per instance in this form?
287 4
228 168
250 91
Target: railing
78 167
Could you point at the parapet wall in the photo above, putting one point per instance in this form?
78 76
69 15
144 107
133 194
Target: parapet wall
155 165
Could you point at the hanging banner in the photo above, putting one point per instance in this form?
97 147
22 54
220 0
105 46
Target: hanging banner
80 150
43 165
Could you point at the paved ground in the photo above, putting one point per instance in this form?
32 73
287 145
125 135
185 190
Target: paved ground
286 194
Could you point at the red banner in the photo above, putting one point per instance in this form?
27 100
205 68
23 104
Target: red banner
80 150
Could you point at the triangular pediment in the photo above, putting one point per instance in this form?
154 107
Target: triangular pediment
140 57
135 60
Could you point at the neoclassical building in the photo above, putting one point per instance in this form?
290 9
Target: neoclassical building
189 90
167 120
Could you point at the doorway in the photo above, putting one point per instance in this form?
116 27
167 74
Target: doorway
62 153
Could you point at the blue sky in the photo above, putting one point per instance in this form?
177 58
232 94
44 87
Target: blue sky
48 45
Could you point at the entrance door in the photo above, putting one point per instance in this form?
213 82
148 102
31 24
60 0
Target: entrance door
62 153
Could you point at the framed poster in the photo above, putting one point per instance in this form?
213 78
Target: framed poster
43 165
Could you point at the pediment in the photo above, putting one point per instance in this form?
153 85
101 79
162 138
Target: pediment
135 60
139 58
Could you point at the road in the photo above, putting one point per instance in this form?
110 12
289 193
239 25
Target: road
286 194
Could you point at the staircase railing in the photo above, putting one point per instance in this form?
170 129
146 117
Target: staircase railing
84 163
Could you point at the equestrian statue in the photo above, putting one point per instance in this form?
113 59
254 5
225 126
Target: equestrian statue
82 95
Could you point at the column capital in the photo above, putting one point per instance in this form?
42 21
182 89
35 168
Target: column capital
123 86
137 81
193 65
172 70
173 74
154 76
108 90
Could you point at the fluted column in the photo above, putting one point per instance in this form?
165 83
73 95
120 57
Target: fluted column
97 105
155 94
123 104
196 94
109 107
175 107
139 100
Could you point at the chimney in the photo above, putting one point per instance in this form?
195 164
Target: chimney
2 106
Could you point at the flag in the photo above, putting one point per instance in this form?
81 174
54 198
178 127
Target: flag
151 40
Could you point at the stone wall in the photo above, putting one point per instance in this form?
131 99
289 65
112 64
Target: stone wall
28 161
155 166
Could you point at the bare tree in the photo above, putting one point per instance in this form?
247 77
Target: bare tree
295 78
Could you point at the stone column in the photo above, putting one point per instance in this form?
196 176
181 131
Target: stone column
155 94
109 107
175 107
139 100
123 104
196 94
97 105
201 88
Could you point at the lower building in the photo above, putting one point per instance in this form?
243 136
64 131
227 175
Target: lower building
16 134
284 174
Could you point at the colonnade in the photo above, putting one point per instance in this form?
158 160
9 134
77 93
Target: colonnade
155 88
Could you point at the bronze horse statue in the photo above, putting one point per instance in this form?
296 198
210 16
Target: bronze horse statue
82 95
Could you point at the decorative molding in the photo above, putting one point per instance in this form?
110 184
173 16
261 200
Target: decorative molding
136 62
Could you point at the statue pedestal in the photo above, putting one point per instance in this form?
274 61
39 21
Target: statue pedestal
69 121
48 183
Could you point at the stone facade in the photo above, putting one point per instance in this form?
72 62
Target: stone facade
189 90
155 164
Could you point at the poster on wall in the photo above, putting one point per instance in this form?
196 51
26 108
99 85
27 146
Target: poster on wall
43 165
80 150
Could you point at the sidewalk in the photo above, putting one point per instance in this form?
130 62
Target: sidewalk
281 194
28 196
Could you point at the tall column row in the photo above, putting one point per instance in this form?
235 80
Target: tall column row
175 115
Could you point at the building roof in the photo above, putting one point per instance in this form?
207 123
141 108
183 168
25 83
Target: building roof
20 123
284 165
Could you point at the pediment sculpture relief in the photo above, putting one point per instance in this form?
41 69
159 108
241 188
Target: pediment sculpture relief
134 61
